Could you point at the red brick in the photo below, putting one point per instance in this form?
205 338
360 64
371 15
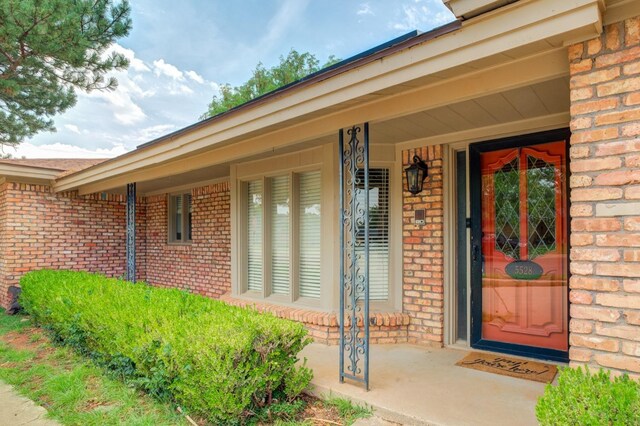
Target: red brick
632 31
603 255
632 98
619 86
596 225
581 66
613 36
594 106
581 210
580 354
620 362
596 194
595 78
623 177
618 300
582 239
575 51
616 148
594 313
597 135
580 326
631 69
594 46
593 342
618 117
581 94
619 57
632 224
594 284
580 297
618 240
631 256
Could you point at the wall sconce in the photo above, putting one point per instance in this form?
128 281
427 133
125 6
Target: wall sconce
416 174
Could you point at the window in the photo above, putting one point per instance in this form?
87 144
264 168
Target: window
283 214
378 232
254 236
280 235
309 234
180 218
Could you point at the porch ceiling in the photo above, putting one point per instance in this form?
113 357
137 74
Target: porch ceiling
538 100
544 99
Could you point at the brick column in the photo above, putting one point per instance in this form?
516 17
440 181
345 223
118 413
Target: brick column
605 199
423 252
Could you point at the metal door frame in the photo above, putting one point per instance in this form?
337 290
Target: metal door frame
475 187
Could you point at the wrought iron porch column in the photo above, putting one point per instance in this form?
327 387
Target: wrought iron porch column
131 232
354 256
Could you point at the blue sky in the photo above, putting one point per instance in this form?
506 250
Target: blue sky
181 51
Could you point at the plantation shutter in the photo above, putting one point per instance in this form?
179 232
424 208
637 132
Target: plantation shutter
378 233
309 234
254 235
280 235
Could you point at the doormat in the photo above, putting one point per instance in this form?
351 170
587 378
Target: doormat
507 366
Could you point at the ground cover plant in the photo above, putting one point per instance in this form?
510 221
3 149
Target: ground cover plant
219 362
585 398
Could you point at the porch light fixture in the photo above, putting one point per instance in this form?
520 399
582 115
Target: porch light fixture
416 174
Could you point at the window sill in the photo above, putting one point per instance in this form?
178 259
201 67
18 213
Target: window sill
311 316
178 244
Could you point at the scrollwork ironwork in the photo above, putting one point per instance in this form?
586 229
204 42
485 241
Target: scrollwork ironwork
354 249
131 233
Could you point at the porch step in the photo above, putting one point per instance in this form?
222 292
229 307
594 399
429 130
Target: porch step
381 416
374 421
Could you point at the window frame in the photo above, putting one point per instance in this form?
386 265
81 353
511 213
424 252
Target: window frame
171 213
293 297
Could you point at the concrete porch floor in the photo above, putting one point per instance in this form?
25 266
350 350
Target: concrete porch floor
418 385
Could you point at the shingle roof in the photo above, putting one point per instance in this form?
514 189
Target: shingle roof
64 165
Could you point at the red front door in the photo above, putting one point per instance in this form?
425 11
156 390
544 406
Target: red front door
524 246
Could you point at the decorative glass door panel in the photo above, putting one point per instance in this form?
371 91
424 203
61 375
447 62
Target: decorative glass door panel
524 246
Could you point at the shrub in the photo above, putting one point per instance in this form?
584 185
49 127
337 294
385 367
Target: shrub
582 398
218 361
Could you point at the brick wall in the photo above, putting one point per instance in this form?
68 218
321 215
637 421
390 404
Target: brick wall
423 245
204 266
605 196
40 229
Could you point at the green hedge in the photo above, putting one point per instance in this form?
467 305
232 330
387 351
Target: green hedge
217 361
582 398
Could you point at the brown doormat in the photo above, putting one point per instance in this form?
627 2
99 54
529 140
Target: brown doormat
507 366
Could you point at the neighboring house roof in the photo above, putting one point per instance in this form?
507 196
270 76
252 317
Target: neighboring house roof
63 164
56 167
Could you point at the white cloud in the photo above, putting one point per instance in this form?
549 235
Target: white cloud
72 128
134 63
153 132
422 14
195 76
365 9
163 68
180 89
124 109
62 150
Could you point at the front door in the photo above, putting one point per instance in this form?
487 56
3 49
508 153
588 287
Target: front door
519 245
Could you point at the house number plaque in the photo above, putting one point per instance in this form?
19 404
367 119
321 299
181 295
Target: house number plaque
524 270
